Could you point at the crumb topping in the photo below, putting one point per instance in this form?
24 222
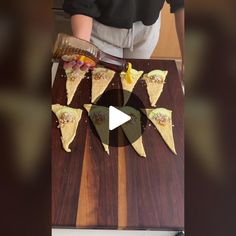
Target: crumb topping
156 79
74 75
65 118
161 119
98 117
100 75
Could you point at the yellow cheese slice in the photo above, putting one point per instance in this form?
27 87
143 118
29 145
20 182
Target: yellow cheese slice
73 80
68 130
132 129
155 87
101 77
102 127
165 131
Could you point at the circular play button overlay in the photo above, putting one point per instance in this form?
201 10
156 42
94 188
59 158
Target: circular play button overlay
114 123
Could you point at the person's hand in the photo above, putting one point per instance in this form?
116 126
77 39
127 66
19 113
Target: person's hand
77 62
85 66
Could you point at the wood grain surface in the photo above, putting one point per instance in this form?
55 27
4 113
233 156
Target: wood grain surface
122 191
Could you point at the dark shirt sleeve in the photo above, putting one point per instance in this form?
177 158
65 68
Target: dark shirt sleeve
175 5
83 7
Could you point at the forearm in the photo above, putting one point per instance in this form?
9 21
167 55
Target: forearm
82 26
179 23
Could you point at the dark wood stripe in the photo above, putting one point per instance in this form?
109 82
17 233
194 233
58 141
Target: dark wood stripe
66 174
155 186
66 167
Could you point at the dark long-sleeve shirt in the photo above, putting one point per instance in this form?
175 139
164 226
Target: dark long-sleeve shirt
120 13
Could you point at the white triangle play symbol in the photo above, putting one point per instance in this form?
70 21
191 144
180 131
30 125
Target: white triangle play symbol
117 118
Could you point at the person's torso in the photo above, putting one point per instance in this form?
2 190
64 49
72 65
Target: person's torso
123 13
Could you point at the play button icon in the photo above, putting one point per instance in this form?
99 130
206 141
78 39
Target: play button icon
111 120
117 118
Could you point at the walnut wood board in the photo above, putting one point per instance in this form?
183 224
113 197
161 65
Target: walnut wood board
122 191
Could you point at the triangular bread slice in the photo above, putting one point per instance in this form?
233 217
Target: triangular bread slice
162 119
74 77
69 119
126 85
155 82
100 118
101 77
132 129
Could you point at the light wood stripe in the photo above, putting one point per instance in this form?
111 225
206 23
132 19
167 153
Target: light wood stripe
122 197
88 197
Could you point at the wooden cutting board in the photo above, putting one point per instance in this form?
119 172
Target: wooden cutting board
123 191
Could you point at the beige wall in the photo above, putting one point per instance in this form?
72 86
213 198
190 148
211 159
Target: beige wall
168 45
